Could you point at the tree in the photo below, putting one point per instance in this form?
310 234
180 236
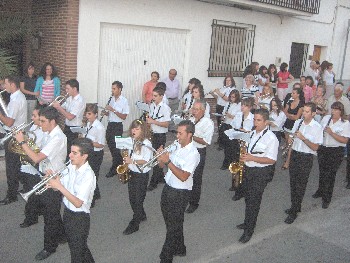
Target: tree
12 27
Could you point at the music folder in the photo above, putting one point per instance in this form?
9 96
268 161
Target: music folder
142 106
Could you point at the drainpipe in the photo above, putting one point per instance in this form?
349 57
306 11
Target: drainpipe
346 44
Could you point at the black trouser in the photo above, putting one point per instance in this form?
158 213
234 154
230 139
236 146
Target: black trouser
13 173
231 151
219 109
114 129
158 139
173 204
195 193
221 139
329 160
95 160
255 180
33 206
53 228
348 162
71 136
137 187
299 171
77 227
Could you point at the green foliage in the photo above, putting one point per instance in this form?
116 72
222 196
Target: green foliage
7 64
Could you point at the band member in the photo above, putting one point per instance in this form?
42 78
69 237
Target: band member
258 170
197 94
54 147
176 192
159 119
187 96
32 208
72 110
308 135
229 112
96 132
277 118
201 139
243 121
331 152
137 185
17 115
77 188
117 111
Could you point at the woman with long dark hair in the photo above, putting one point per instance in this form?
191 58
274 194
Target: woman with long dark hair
27 86
284 78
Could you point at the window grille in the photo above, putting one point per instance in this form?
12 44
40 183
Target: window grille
231 49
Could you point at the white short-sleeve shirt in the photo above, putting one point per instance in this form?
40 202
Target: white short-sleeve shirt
97 133
233 109
341 128
75 106
279 120
17 109
248 122
161 113
203 129
145 154
120 105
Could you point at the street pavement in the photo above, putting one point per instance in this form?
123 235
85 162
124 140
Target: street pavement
317 235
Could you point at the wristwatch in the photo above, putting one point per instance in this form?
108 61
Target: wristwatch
22 142
167 163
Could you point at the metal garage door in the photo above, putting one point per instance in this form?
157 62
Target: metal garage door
130 53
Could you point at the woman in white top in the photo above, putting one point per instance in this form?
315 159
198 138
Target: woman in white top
229 112
331 152
137 185
277 118
187 96
328 79
197 94
265 97
263 78
222 95
250 90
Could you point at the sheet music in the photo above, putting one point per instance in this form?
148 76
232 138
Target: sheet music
176 119
238 135
81 130
124 143
142 106
217 114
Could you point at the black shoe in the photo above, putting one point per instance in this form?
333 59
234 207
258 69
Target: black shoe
93 203
245 237
22 191
219 148
26 224
43 254
8 200
191 209
241 226
144 218
180 253
62 240
290 218
236 197
325 205
132 227
151 187
316 195
290 211
223 167
347 186
231 188
110 174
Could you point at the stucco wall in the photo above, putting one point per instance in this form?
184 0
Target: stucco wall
274 34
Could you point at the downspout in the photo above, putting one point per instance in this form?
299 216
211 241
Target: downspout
345 47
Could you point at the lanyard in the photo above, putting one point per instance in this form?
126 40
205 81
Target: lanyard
251 136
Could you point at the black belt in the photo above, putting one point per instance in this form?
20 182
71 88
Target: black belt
172 98
302 153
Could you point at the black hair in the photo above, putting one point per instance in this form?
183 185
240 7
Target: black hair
13 80
43 70
237 96
310 78
84 144
73 83
91 107
50 113
159 90
279 104
155 72
283 66
233 83
339 106
263 112
261 69
118 84
190 127
161 85
311 105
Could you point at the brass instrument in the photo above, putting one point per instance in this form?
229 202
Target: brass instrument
153 162
60 99
236 168
14 147
3 109
14 130
40 188
123 169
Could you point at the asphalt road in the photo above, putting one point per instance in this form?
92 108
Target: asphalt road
318 235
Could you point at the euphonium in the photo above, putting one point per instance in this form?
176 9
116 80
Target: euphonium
123 169
236 168
14 147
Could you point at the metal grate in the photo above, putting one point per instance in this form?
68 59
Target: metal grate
298 58
310 6
231 49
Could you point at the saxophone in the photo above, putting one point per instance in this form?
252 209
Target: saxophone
123 169
236 168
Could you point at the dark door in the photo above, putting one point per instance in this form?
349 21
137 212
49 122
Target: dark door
296 60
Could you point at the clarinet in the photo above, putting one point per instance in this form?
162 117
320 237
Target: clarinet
327 125
109 100
286 150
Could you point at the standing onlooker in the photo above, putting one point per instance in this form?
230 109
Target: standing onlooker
321 102
252 69
27 86
284 78
173 90
272 72
307 89
338 96
147 91
329 79
263 78
312 71
48 85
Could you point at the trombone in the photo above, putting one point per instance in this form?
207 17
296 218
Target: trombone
153 162
15 130
40 188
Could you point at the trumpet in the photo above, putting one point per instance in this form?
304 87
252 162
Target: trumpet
40 188
60 99
153 162
15 130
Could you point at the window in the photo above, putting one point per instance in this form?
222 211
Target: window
231 49
298 58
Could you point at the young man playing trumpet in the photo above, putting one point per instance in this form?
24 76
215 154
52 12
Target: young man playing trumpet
77 188
51 157
17 115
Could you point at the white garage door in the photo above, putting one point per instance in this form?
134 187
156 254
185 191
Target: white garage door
130 53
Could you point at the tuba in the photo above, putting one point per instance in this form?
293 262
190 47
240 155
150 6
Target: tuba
123 169
236 168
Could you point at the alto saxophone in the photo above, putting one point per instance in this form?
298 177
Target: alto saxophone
123 169
236 168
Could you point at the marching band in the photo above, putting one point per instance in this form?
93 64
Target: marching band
250 131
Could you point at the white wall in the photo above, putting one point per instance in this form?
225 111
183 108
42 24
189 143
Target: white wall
274 34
